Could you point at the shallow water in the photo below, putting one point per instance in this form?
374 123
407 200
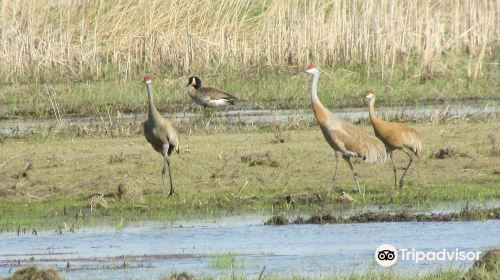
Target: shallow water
253 117
152 250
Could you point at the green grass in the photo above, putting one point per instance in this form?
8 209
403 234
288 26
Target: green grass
120 224
275 88
227 173
488 267
224 261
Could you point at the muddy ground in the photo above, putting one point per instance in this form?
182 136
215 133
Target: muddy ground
53 176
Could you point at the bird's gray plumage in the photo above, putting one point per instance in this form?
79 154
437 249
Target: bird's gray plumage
160 132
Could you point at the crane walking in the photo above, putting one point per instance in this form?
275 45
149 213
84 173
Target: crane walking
396 136
345 138
161 134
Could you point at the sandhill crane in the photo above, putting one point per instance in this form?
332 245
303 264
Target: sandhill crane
208 96
396 136
345 138
161 134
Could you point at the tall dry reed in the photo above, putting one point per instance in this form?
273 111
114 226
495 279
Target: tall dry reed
119 39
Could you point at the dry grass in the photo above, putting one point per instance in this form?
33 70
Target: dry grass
119 39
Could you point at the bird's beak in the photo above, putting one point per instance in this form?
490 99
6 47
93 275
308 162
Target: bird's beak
188 84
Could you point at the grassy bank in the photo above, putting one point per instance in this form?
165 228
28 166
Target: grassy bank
55 179
465 214
260 89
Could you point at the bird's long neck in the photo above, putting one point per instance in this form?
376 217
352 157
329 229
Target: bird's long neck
371 110
192 91
197 84
152 113
320 112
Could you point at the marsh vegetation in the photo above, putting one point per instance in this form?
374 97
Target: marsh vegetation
85 58
70 60
232 172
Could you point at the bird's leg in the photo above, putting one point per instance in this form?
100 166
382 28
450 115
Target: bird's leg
205 112
163 177
406 169
336 165
394 169
348 159
167 161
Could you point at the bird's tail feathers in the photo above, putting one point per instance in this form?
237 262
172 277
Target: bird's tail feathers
237 100
376 151
417 147
413 141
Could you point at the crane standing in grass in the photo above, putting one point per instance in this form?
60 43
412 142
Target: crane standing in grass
161 134
396 136
345 138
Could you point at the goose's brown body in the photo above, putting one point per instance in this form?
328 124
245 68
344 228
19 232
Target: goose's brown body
208 96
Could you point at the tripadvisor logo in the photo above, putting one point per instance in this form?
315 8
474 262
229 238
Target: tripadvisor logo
386 255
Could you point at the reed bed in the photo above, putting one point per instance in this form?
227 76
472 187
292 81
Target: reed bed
77 40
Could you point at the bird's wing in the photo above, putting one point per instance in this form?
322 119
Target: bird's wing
173 139
354 139
399 135
411 139
167 134
213 93
149 133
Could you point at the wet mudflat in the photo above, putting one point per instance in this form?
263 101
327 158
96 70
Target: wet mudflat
239 245
251 117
